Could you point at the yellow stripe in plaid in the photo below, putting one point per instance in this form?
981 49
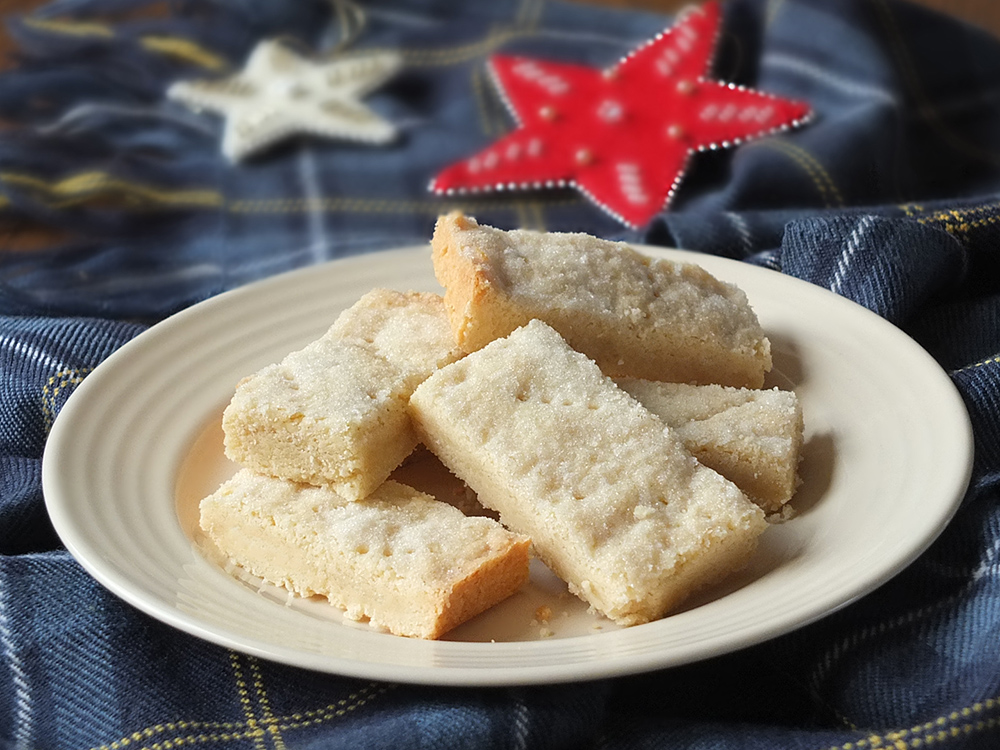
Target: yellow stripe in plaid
140 740
926 109
336 710
773 6
962 221
186 50
88 186
70 377
487 123
192 52
912 210
254 730
264 727
824 183
71 28
990 361
267 715
957 724
377 206
462 53
183 49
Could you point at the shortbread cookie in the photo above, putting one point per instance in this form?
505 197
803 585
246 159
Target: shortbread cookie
335 411
399 558
752 437
635 316
613 502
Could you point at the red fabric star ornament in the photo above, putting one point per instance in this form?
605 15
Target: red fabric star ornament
622 136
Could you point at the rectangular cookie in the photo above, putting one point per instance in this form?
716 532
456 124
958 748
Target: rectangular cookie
612 501
335 411
752 437
635 316
399 558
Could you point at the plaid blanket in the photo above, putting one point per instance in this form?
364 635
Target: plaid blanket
891 197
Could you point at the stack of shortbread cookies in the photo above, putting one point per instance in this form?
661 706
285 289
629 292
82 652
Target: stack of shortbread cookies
605 411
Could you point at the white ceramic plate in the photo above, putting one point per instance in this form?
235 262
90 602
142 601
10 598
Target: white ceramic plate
886 461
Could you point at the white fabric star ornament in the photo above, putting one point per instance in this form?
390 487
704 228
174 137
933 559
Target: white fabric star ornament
279 94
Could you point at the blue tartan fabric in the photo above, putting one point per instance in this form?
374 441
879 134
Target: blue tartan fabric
891 198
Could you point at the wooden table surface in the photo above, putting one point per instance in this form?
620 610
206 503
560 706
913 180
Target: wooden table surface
984 13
